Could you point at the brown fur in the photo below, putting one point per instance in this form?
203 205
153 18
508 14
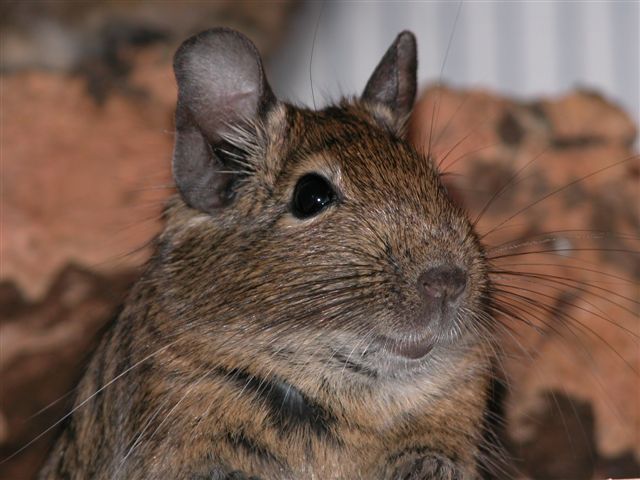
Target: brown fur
252 342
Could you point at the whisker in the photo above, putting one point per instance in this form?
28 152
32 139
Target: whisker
558 251
577 284
509 184
313 46
84 402
546 238
560 189
557 312
467 154
436 107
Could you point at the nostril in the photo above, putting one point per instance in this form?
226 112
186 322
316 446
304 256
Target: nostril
444 283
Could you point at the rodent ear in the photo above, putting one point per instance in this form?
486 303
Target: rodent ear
393 82
221 87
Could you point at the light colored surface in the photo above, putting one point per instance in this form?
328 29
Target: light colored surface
522 48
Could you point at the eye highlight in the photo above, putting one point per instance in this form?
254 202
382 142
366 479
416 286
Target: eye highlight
313 193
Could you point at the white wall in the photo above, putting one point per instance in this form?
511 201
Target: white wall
522 48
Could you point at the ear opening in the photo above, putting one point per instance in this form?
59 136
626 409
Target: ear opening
393 83
221 88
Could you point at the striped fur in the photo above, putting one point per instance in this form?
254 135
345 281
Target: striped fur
251 346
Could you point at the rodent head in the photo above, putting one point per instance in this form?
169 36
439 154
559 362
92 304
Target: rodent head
308 235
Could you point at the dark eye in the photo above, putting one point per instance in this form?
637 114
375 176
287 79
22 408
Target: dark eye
312 194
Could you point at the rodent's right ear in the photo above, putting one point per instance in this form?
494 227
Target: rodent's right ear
221 87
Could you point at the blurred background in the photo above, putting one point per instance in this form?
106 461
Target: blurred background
546 91
519 48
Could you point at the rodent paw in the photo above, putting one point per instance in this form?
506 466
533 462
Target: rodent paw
428 467
234 475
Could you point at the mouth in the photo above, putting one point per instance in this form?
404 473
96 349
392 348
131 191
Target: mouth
410 349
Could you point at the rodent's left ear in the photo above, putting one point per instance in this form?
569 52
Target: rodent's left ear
393 82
